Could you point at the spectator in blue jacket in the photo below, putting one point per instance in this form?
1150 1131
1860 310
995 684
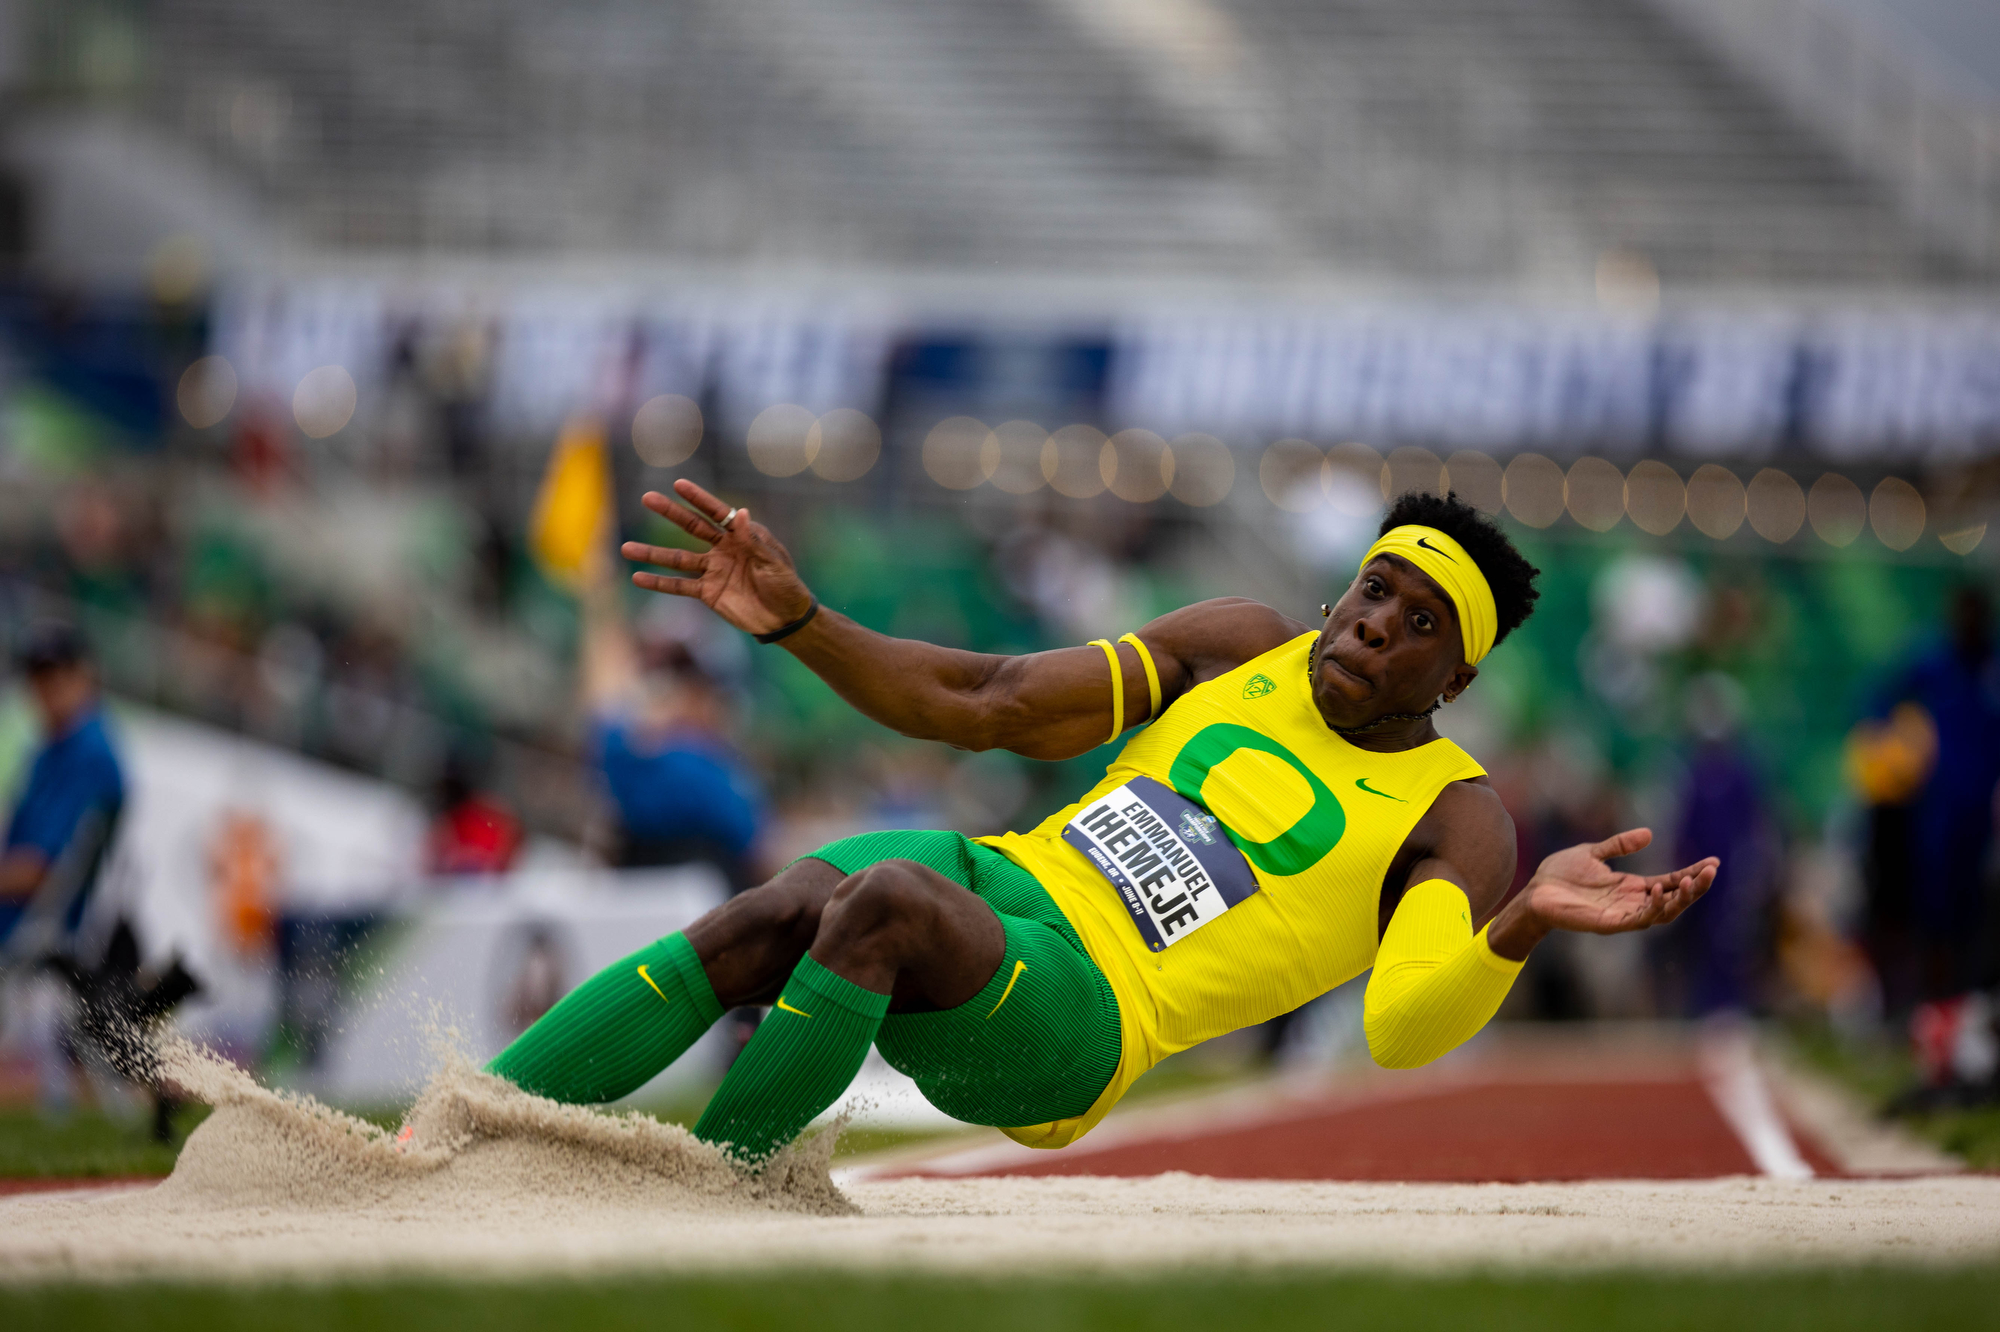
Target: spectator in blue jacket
660 736
75 785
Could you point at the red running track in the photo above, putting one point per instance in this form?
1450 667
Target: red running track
1570 1117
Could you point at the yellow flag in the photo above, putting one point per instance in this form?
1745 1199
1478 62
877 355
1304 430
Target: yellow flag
574 505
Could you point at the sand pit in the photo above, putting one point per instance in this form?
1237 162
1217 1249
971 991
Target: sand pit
495 1183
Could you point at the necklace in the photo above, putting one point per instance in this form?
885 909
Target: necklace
1387 717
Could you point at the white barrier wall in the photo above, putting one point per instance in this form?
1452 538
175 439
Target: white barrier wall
465 969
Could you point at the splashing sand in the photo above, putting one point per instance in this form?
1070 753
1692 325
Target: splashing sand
477 1154
472 1137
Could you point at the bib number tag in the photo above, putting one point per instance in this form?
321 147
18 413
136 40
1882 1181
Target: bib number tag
1167 856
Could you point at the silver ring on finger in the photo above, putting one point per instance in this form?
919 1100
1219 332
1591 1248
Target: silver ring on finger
729 518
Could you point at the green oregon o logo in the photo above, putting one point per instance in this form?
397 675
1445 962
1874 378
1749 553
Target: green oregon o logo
1299 847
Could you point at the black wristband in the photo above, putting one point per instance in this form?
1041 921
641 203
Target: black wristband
787 630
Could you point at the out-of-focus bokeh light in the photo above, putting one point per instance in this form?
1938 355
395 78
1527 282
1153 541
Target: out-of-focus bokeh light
843 445
1013 456
1777 505
1628 284
1410 469
1476 478
1715 501
324 401
177 269
1136 466
1655 499
1072 460
1290 472
666 430
1351 479
1836 509
1204 470
777 440
207 391
1533 489
1594 492
1963 540
955 453
1896 511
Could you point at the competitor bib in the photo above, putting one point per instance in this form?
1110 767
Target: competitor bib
1167 857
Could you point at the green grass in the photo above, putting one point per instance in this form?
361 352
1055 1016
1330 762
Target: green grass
87 1143
1877 1071
1822 1301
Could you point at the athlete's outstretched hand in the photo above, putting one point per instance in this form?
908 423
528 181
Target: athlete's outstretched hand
1575 889
746 576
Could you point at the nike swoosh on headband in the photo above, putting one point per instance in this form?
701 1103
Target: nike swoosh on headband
1428 546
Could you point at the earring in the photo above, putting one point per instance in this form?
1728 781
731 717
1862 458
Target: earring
1325 612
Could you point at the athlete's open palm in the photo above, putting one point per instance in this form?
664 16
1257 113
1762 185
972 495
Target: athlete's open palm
746 576
1575 889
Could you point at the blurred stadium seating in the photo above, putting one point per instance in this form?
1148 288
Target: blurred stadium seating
1509 140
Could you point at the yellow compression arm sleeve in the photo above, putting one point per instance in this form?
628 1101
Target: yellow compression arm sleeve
1435 983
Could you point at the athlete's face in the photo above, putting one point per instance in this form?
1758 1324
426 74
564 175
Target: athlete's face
1392 644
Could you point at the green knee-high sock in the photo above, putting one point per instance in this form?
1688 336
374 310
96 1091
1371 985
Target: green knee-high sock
801 1059
610 1034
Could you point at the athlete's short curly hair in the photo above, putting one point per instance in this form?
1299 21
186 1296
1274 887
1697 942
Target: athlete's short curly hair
1510 576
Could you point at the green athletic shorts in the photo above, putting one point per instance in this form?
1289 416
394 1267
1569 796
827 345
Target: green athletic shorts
1040 1042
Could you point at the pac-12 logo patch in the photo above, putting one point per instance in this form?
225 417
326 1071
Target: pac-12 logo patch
1257 686
1198 827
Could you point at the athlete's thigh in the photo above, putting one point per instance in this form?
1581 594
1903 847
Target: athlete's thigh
1039 1042
899 926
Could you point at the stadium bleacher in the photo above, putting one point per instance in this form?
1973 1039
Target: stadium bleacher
1508 141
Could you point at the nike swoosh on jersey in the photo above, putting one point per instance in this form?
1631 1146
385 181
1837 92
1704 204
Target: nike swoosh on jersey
1362 782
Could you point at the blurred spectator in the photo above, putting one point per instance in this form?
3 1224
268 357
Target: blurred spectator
475 832
55 843
243 858
1956 680
74 792
1715 956
1888 762
659 732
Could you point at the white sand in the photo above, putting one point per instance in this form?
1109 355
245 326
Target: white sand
500 1184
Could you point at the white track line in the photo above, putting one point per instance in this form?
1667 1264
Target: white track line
1729 1072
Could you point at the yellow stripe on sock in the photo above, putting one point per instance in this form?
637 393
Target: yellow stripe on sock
649 980
1019 967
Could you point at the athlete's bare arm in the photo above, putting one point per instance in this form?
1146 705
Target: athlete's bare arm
1467 837
1046 705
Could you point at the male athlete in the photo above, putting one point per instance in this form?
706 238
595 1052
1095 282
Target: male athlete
1289 819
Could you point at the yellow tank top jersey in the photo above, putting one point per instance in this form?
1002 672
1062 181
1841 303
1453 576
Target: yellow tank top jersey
1319 820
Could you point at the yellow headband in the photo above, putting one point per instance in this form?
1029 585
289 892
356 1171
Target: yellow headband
1453 570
